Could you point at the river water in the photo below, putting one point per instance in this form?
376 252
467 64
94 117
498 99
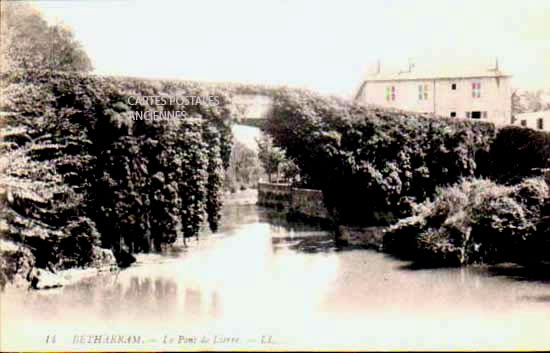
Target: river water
263 282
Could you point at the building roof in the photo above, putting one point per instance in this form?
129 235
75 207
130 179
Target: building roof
423 75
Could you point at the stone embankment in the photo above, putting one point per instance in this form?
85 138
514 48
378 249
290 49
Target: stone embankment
18 268
306 203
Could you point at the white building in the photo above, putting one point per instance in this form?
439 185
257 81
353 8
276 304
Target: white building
472 95
535 120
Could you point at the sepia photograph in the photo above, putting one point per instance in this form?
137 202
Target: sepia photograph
274 175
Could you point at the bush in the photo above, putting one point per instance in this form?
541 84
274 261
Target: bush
538 245
517 153
474 221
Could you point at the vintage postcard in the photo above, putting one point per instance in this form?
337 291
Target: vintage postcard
274 175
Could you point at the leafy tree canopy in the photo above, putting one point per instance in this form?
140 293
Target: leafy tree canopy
27 41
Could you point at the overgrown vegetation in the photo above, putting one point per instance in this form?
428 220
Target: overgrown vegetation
278 166
80 172
517 153
244 169
475 221
28 42
378 167
372 163
272 157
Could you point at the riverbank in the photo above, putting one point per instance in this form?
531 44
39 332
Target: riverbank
263 275
19 270
474 221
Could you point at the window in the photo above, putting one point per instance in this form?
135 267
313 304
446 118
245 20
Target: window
476 90
453 86
468 115
390 93
453 114
423 92
524 123
540 124
476 115
484 115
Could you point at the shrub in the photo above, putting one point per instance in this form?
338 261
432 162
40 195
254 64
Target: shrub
474 221
500 226
539 245
517 153
15 262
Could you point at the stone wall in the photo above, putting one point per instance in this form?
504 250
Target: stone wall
301 202
274 195
308 202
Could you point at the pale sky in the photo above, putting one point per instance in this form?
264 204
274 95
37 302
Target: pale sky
320 45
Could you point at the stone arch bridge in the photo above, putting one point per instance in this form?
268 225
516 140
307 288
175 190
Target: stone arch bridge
252 109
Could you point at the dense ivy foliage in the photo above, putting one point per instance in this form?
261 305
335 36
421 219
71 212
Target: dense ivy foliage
215 177
135 184
371 163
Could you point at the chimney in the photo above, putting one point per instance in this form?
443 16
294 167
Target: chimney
411 64
496 68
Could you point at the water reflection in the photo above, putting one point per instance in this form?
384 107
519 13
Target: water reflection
231 275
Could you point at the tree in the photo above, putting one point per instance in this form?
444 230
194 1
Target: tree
528 101
291 171
28 42
244 168
270 156
517 107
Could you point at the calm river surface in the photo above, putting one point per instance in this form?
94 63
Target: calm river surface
262 282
